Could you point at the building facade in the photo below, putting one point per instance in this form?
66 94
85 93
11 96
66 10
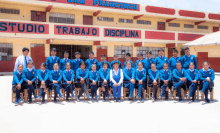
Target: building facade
101 26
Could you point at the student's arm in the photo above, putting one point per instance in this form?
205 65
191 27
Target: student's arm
132 64
125 75
35 76
161 75
133 73
64 76
212 75
60 65
108 75
90 76
87 64
96 62
181 61
197 75
111 78
51 76
101 74
144 78
175 75
169 63
87 74
109 66
120 66
170 75
200 75
60 77
151 75
185 73
136 64
47 62
122 76
72 65
39 75
15 78
157 75
195 62
78 74
97 77
58 58
46 76
72 77
136 75
125 65
188 76
112 64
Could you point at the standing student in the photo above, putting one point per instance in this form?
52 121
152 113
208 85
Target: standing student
43 81
76 62
206 76
93 81
116 60
103 59
179 79
172 61
165 79
187 58
148 61
18 83
68 80
192 80
140 75
51 60
116 77
153 80
129 78
29 76
56 77
128 58
91 61
140 59
64 61
161 59
81 75
104 80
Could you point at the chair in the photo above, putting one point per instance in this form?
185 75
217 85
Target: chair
50 94
13 96
126 91
144 93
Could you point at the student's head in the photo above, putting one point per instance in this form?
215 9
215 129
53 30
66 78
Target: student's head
20 68
30 64
187 50
105 65
128 56
103 57
66 55
153 66
175 52
206 65
165 66
116 65
91 55
140 65
178 65
77 55
140 56
25 51
93 67
191 65
128 64
43 66
53 51
82 65
116 57
149 53
161 52
68 66
55 66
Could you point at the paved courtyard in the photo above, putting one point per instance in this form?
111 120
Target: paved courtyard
125 117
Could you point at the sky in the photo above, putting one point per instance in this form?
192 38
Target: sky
212 6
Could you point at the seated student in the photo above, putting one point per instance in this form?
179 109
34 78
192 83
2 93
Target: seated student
129 78
103 59
140 75
81 76
93 81
153 80
91 61
68 80
116 60
128 58
116 77
104 80
18 83
161 59
75 62
172 61
43 81
56 77
206 76
165 79
29 76
179 79
140 59
192 80
64 61
187 58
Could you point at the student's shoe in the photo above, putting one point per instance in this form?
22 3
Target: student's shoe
115 99
160 97
181 100
55 101
103 100
153 99
142 100
67 100
109 96
97 98
29 102
61 96
130 97
39 97
73 96
92 100
188 97
20 100
77 99
88 97
16 103
119 100
207 100
138 96
36 97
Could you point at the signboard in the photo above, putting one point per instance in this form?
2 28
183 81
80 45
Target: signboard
122 33
18 27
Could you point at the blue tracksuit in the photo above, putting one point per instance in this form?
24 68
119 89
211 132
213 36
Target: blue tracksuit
104 75
120 65
89 63
101 64
17 79
188 59
172 62
31 76
128 75
153 75
94 75
116 78
203 74
75 64
57 76
68 75
140 75
63 63
136 63
148 62
192 75
50 62
42 76
165 75
160 61
84 73
132 64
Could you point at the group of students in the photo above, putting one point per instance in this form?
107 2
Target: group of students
159 72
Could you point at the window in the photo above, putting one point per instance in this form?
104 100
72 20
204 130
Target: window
9 11
121 51
188 26
144 50
202 27
38 16
161 26
173 24
5 51
121 20
143 22
105 19
61 18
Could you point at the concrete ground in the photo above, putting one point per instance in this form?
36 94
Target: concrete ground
125 117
